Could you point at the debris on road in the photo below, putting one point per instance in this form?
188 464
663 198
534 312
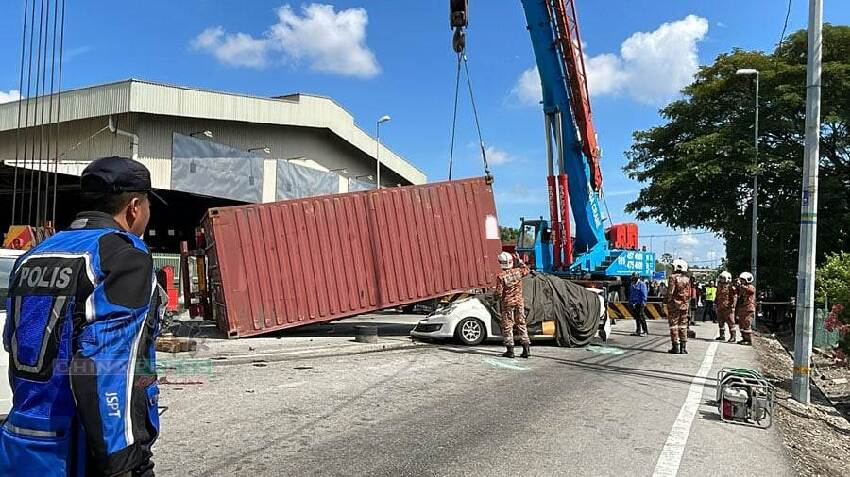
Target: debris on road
173 344
816 434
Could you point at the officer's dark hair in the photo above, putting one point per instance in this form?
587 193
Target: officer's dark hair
110 203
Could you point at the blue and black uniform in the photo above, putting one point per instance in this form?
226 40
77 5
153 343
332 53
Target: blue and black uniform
82 317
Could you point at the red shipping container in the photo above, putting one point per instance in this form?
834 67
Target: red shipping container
286 264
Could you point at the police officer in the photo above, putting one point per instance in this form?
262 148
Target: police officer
724 306
745 308
678 301
637 300
82 319
509 291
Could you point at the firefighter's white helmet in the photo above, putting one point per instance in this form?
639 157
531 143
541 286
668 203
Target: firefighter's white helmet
726 277
506 261
746 277
680 265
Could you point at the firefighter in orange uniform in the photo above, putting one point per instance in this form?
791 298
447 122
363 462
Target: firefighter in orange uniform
724 305
509 291
745 308
678 303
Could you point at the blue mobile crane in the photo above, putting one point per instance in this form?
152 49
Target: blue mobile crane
571 143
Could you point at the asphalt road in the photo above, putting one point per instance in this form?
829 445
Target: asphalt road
452 410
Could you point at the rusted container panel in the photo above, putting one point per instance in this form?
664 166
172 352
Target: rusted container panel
285 264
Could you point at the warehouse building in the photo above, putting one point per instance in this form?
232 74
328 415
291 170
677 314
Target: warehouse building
203 148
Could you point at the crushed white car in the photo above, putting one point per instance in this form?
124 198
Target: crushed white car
7 262
470 321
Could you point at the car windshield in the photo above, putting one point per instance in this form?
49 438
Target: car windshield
6 264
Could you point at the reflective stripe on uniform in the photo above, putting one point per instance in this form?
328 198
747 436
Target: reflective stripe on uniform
22 431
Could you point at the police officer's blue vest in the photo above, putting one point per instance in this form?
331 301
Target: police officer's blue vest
81 368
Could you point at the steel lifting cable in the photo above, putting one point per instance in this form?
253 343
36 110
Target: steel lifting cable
20 104
454 116
475 113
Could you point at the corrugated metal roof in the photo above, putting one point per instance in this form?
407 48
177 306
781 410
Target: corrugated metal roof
156 98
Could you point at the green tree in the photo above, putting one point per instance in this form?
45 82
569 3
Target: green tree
698 166
508 235
832 283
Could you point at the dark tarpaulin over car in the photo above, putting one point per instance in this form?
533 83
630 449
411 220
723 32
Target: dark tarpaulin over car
573 307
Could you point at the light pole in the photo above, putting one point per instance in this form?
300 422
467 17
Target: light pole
383 119
754 238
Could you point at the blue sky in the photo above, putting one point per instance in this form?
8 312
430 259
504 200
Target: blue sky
379 57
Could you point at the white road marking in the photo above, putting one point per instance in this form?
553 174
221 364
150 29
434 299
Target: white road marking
671 454
504 364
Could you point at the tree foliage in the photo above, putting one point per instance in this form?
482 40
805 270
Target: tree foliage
697 167
508 235
833 283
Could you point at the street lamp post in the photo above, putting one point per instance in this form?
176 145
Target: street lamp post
383 119
754 238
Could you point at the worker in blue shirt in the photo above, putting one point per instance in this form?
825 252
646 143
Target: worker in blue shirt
637 300
82 318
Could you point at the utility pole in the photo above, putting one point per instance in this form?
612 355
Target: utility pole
755 228
808 211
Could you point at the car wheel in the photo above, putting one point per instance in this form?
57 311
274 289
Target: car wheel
471 331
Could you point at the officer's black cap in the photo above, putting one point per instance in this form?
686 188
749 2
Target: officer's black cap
114 175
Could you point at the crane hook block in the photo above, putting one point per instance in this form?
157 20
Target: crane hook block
459 40
458 14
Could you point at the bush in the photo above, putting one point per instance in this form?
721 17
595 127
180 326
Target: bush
833 284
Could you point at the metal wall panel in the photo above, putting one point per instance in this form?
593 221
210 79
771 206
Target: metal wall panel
286 264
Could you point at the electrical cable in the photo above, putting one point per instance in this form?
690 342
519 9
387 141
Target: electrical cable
41 123
58 112
35 112
50 113
24 173
20 104
785 27
675 235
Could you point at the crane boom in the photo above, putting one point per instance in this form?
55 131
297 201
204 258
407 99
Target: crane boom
558 108
569 41
572 153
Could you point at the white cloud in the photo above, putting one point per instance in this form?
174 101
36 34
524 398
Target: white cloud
333 42
527 89
329 41
8 97
605 74
652 67
497 157
232 49
687 240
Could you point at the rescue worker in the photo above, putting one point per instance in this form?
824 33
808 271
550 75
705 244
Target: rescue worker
710 298
745 308
509 291
678 300
637 300
724 306
83 312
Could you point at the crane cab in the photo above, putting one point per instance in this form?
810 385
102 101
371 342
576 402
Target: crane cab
534 244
